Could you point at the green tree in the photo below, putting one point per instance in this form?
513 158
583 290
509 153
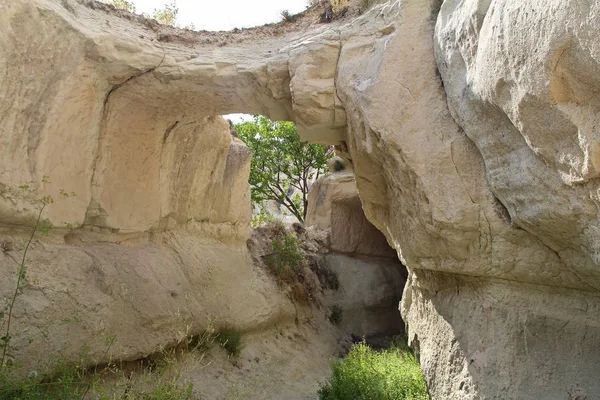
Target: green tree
122 4
282 167
168 14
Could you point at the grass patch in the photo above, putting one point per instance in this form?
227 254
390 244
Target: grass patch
73 381
66 383
366 374
231 340
162 392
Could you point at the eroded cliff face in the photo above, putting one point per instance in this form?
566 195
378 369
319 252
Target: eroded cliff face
470 126
458 125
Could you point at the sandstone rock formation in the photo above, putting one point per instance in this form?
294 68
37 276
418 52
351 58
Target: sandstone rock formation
485 225
370 275
470 127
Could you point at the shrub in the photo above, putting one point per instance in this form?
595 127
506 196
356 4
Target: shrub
336 314
262 218
231 340
122 4
286 261
167 15
366 374
286 16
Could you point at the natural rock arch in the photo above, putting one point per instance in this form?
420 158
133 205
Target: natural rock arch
443 110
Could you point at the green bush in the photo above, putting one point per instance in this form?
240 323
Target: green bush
74 382
286 261
231 340
336 315
287 16
365 374
262 218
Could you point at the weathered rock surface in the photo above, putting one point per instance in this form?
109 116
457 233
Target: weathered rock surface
334 206
146 293
471 127
368 294
449 173
368 271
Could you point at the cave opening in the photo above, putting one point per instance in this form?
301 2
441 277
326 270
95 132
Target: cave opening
370 275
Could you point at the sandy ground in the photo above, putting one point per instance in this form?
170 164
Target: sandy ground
286 362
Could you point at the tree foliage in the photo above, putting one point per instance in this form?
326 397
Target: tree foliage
282 167
168 14
122 4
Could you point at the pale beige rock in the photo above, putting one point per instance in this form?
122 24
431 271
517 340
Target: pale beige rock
333 205
490 207
323 193
148 294
369 273
489 179
120 111
499 339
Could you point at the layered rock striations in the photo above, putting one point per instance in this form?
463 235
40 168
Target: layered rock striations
470 126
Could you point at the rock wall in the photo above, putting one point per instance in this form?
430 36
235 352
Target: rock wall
459 148
470 126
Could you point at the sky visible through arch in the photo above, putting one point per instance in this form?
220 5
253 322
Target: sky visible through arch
218 15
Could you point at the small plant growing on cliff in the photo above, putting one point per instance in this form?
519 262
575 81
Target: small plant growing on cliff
168 14
286 16
6 359
286 259
287 263
336 164
231 340
336 315
122 4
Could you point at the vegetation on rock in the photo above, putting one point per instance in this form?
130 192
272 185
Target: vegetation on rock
337 314
59 380
231 340
287 16
122 4
167 15
286 259
366 374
